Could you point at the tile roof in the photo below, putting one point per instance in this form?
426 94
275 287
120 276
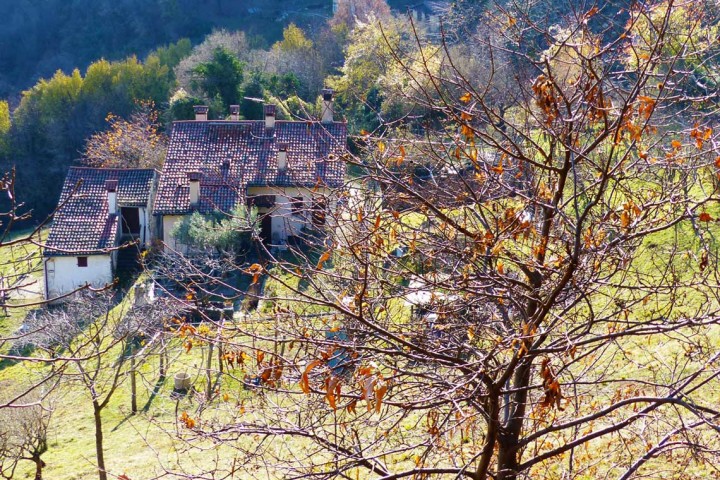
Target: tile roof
82 226
235 155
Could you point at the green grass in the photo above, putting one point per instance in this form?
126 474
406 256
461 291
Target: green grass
142 445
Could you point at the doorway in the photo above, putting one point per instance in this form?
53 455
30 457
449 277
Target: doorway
130 221
266 229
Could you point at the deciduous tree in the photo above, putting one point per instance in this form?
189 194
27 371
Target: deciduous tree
133 143
512 288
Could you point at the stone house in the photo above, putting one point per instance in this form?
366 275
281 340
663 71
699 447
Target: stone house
287 169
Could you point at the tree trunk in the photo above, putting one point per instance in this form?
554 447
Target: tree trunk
102 474
508 440
39 464
208 391
133 387
162 363
220 358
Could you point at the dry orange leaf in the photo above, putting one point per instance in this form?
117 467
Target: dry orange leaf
380 391
187 421
323 258
499 169
705 217
304 379
333 391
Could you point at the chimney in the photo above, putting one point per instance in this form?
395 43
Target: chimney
282 156
234 113
194 179
269 110
327 105
111 187
201 112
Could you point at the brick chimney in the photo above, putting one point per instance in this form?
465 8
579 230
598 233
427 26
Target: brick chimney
327 105
234 113
282 156
111 187
269 111
201 112
194 180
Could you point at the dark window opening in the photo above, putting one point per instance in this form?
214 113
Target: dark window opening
297 205
130 220
319 208
266 229
262 201
82 261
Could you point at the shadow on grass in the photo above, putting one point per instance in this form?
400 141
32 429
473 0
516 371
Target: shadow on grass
18 348
10 362
156 389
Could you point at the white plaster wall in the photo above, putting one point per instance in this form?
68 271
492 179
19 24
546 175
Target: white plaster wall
284 223
151 221
64 276
145 232
169 222
144 226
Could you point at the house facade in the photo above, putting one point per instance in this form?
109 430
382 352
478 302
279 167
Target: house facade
99 211
286 169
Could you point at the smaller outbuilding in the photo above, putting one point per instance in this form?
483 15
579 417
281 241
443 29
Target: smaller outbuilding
100 209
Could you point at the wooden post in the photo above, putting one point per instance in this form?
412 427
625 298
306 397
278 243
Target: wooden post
133 386
208 390
163 359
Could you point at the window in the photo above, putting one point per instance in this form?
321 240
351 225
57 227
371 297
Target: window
262 201
82 261
297 205
318 211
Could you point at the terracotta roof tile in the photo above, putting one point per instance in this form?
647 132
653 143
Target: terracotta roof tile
236 155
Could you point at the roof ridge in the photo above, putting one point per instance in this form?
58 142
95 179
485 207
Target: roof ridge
115 169
240 122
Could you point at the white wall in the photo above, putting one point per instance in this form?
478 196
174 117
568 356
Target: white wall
146 235
169 222
144 226
284 223
63 274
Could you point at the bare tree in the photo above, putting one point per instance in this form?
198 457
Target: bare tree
133 143
512 285
23 433
93 338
